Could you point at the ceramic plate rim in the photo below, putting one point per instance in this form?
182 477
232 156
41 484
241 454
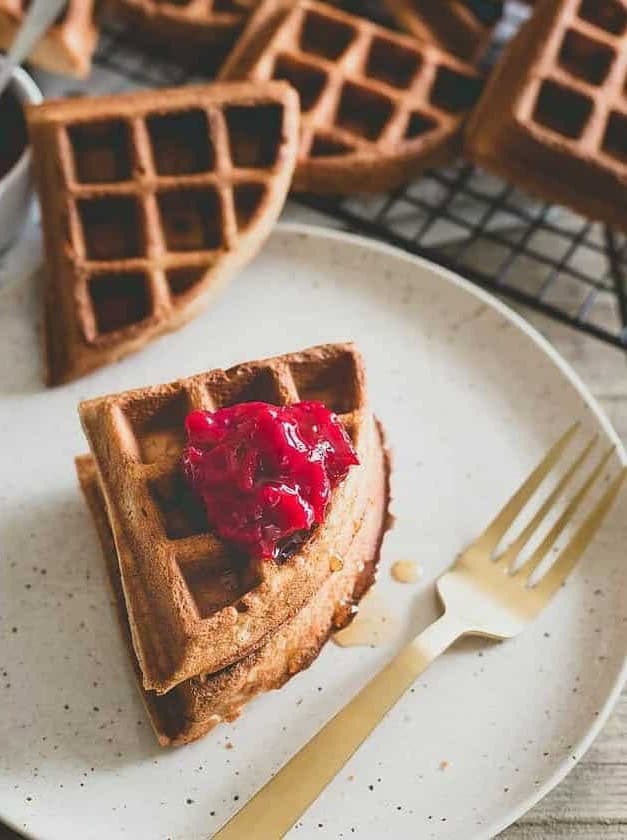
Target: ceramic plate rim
456 280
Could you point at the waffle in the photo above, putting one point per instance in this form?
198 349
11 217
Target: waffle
463 27
377 107
199 32
68 46
553 118
195 706
195 605
150 201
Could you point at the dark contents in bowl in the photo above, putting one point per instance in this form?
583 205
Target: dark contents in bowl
12 131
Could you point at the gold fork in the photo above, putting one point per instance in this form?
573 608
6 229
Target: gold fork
482 595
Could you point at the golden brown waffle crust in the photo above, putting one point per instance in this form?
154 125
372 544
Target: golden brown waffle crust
74 343
371 164
174 637
67 48
505 138
194 707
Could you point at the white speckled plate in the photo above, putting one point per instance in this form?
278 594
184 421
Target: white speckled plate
471 397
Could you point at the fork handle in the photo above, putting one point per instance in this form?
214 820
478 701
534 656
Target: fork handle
276 807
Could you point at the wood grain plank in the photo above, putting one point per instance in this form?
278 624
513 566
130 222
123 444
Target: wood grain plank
611 745
591 792
561 831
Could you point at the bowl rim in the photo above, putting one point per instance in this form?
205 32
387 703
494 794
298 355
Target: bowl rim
25 89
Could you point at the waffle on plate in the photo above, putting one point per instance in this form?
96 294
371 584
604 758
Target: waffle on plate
150 201
553 117
196 606
377 107
67 47
193 707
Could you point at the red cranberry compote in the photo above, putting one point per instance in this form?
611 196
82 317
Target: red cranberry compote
264 472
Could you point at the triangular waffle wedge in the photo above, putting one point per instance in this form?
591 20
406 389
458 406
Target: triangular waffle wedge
195 706
553 118
194 604
463 27
150 201
198 32
68 46
377 107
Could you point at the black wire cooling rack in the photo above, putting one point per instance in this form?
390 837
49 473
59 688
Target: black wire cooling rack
539 255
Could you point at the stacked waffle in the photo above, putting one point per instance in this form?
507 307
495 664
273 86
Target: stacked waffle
67 48
209 627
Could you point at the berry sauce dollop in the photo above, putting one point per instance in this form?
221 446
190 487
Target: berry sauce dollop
264 472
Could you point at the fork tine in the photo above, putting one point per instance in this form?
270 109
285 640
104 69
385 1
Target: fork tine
543 549
509 556
568 558
493 534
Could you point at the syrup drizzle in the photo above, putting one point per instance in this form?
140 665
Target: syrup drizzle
336 562
406 571
373 625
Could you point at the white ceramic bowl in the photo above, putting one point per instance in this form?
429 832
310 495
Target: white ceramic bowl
16 186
